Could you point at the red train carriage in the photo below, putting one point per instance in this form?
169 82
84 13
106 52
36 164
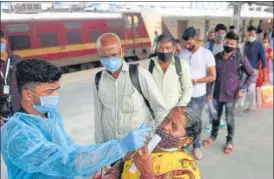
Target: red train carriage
70 38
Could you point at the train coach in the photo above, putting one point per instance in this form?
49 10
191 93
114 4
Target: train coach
68 39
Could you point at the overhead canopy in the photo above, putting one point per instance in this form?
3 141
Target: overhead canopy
264 3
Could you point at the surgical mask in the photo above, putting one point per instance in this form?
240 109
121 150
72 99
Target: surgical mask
164 56
220 38
3 47
228 49
48 103
168 142
251 39
112 64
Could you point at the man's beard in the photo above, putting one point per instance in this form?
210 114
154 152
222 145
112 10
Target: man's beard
168 142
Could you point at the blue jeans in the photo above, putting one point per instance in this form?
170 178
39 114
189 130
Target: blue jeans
198 105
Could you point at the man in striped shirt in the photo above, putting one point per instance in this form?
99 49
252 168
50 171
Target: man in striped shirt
119 107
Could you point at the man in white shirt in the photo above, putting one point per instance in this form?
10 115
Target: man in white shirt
202 69
171 74
119 106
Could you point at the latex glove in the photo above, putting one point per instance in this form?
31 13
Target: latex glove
135 139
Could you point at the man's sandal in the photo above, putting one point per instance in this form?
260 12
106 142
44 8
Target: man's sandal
208 143
228 149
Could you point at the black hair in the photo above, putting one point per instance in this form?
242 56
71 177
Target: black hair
31 71
190 32
165 38
231 27
232 36
2 33
194 127
220 27
177 41
251 28
265 35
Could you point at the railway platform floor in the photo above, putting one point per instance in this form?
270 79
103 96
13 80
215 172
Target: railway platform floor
252 157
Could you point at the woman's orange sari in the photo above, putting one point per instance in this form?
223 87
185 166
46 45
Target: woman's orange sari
260 79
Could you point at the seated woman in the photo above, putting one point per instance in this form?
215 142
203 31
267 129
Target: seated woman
167 160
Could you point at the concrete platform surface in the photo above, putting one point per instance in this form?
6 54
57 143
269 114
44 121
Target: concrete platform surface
253 155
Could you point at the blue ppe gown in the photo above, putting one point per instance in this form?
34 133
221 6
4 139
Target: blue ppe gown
39 148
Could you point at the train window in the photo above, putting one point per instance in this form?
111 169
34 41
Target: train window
73 25
19 42
114 23
74 37
116 31
93 35
49 40
128 22
17 28
136 21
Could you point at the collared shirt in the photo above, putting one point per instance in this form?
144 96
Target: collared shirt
255 53
119 108
11 81
169 83
227 82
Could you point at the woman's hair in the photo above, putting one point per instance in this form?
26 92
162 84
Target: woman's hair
194 127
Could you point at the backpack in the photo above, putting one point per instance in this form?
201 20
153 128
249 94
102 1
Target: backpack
211 45
177 66
134 77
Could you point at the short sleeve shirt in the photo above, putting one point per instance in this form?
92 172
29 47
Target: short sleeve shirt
199 62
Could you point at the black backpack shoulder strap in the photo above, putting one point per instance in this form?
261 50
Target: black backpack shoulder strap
134 77
219 55
240 62
151 66
178 67
97 79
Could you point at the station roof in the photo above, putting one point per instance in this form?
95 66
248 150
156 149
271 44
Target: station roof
264 3
58 16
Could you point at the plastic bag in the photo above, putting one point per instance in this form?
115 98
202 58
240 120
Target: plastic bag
265 97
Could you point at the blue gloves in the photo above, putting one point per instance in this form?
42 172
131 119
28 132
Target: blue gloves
135 139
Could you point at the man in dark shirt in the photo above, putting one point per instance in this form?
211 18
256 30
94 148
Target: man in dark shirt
228 87
255 52
9 96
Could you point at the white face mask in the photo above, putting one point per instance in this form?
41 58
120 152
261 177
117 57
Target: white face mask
251 39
